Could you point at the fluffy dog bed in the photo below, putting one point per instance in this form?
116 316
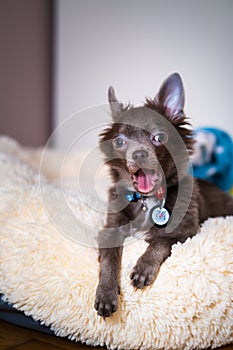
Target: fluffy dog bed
53 279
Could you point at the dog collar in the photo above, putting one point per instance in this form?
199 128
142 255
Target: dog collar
159 214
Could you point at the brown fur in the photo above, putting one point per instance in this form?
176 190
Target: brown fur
206 200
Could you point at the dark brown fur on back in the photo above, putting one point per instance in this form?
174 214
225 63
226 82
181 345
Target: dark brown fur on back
133 142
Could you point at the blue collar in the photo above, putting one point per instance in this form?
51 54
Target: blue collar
134 196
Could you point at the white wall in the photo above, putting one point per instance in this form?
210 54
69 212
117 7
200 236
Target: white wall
134 44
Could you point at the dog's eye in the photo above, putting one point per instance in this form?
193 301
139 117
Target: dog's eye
119 144
160 138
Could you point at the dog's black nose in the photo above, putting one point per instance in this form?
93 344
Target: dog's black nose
140 155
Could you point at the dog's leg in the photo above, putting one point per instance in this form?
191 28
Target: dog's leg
110 241
148 265
106 301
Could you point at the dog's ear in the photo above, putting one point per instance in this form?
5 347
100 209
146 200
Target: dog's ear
170 97
115 105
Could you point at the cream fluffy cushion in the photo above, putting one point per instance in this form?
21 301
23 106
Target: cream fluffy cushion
53 279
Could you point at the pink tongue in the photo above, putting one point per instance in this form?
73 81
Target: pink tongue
145 182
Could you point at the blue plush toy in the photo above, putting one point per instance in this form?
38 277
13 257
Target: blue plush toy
213 157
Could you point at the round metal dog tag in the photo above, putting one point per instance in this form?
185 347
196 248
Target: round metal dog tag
160 216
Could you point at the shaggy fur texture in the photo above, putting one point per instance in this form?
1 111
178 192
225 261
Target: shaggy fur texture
54 279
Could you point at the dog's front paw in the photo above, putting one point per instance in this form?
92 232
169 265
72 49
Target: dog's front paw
143 274
106 301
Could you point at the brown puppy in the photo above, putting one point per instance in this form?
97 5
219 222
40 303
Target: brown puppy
147 149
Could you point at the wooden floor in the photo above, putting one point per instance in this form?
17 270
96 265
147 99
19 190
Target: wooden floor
17 338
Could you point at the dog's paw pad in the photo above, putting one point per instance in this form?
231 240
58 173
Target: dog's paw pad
106 309
142 277
106 302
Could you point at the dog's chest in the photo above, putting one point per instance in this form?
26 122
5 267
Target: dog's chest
143 222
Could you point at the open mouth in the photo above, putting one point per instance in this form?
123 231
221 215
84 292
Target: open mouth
145 180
